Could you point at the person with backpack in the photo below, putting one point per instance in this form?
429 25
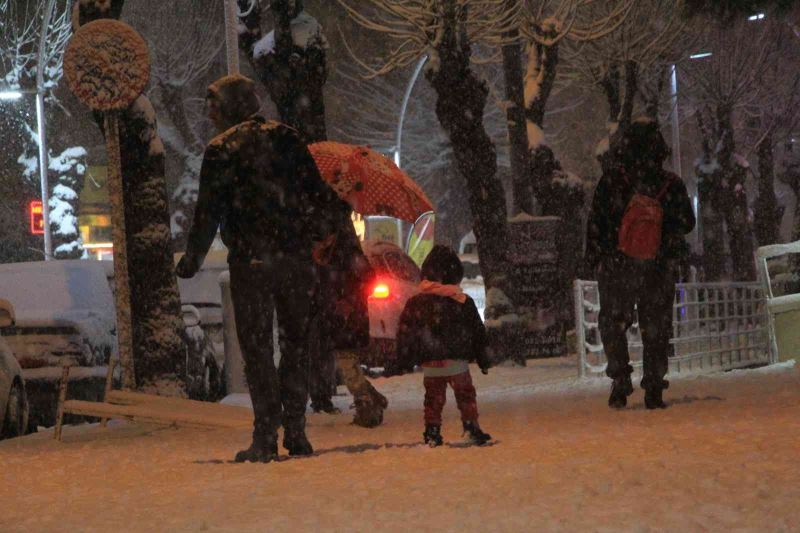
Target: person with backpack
635 245
440 329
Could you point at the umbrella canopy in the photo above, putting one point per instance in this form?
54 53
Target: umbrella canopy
369 181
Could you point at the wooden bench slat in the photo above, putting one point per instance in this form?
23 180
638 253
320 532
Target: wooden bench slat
118 397
160 415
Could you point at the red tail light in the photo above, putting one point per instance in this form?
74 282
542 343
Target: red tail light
380 291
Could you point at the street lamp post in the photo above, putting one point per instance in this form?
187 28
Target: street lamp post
401 119
41 126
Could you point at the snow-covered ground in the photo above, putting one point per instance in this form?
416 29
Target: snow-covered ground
724 456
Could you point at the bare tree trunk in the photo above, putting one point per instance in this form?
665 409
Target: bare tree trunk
183 201
713 228
293 76
461 99
733 199
522 192
768 213
158 348
542 67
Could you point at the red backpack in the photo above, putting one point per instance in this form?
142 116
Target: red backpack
640 231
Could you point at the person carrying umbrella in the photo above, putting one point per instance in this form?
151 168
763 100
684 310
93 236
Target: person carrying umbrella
371 184
260 186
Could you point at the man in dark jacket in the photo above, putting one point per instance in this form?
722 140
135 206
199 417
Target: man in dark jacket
259 185
441 330
625 282
341 326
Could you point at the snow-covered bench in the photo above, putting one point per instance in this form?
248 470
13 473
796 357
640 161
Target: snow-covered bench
150 409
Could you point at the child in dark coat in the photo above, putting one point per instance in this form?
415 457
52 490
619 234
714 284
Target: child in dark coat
441 330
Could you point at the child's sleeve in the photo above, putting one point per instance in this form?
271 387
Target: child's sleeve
408 353
478 335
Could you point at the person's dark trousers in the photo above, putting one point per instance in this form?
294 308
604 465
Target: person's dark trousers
285 285
650 286
322 375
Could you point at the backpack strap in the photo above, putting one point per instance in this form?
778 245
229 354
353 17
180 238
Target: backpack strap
665 187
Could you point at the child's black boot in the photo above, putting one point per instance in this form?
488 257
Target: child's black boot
475 434
433 435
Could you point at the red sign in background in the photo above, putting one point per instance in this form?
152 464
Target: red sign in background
37 217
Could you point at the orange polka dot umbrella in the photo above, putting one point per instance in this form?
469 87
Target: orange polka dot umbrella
369 181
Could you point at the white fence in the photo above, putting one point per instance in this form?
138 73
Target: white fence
716 326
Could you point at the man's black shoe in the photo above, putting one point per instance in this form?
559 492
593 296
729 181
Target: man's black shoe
296 443
325 406
262 450
621 388
653 399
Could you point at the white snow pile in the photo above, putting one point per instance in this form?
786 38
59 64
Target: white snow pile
723 457
306 33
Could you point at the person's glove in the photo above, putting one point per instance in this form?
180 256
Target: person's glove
187 267
322 252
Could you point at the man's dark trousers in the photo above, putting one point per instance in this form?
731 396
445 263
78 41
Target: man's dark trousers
284 284
650 287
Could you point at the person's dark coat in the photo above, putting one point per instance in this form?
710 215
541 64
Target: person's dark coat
642 152
435 327
258 184
345 282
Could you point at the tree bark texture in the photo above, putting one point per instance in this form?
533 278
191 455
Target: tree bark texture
733 199
460 103
158 349
293 76
713 232
521 189
542 67
768 213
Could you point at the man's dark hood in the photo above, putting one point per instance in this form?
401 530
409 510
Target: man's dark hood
641 143
237 97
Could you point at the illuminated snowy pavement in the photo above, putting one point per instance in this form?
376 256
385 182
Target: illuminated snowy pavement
724 456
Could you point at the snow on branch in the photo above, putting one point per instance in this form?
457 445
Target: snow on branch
21 26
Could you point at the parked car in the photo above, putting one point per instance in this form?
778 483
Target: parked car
397 279
202 294
13 397
65 313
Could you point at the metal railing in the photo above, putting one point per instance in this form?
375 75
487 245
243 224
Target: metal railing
716 326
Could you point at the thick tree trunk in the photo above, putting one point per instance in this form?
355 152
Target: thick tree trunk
768 213
189 150
293 76
158 349
539 80
522 193
460 103
733 199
